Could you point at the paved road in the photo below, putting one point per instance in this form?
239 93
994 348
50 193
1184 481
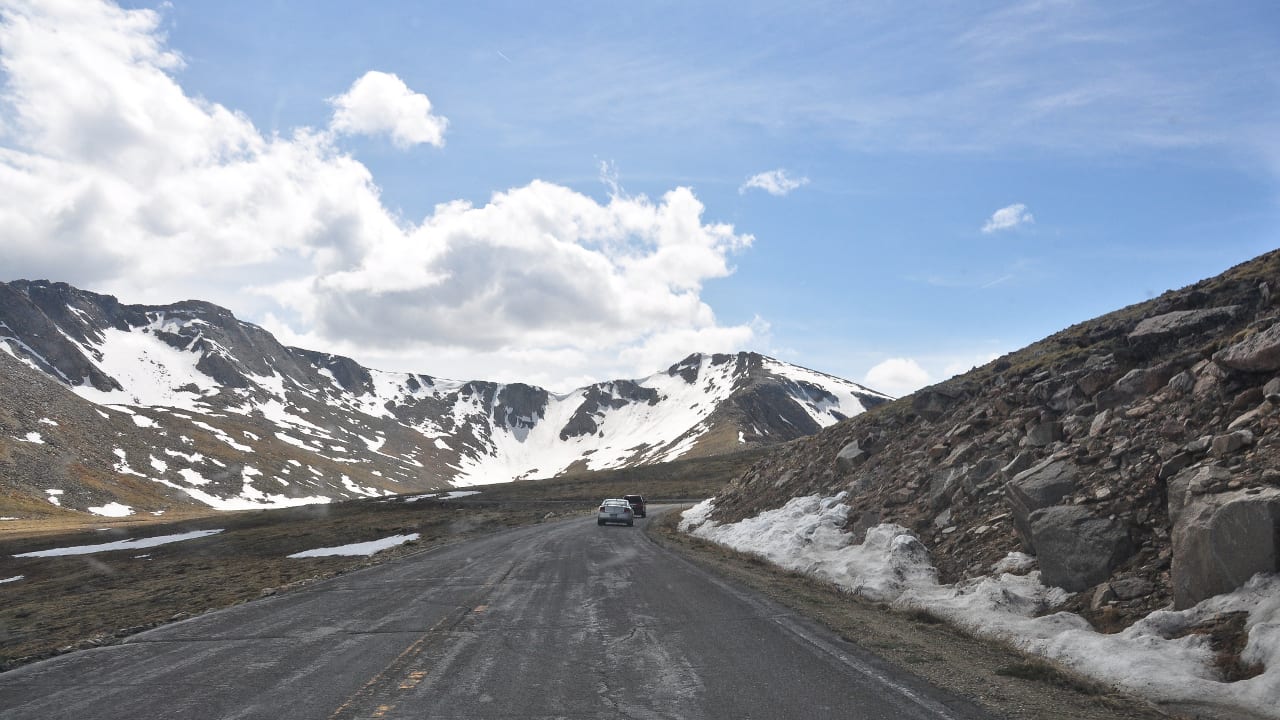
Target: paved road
561 620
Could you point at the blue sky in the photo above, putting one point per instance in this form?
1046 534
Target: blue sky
1122 149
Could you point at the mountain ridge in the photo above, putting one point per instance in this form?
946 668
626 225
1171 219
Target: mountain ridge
219 409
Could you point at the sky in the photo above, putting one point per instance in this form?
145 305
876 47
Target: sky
559 193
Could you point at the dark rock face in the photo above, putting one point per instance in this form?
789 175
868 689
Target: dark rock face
1077 549
520 405
1040 486
687 368
597 398
350 375
47 347
1222 541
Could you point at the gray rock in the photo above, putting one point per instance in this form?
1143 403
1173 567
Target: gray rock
851 456
980 474
1099 423
1223 540
961 453
1076 548
1174 465
1040 486
1271 390
1045 433
932 403
1101 596
943 519
1259 352
1209 382
1099 372
1174 325
1184 487
1224 445
943 486
1253 416
1181 384
859 525
1020 462
1200 445
1132 588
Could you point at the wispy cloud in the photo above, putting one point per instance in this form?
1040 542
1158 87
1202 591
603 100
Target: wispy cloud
775 182
1008 218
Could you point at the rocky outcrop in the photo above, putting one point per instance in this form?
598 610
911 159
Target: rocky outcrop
1076 548
1220 541
1092 448
1257 353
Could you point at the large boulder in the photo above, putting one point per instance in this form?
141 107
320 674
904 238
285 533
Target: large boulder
1076 548
1039 486
1259 352
851 456
1173 325
1220 541
1184 487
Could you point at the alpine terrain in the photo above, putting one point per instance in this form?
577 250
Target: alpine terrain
117 409
1108 497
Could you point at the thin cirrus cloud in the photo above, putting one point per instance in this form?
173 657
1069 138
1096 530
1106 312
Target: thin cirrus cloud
1008 218
139 189
775 182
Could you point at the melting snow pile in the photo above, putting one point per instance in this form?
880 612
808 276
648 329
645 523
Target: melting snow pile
364 548
893 566
130 544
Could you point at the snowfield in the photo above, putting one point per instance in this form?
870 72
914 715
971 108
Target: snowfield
891 565
362 548
130 544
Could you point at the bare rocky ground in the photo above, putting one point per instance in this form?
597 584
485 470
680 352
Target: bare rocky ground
1135 455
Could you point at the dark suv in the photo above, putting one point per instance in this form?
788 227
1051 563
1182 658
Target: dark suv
637 504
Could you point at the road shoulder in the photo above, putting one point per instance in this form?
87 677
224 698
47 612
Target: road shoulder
995 677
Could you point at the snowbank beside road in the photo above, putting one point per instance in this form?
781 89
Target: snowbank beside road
891 565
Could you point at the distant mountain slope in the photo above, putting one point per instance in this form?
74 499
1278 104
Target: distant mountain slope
184 402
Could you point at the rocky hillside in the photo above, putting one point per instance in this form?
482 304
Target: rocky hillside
117 408
1136 456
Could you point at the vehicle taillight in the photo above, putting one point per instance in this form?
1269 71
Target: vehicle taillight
627 510
601 508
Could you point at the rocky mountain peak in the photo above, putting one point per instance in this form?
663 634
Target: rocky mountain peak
208 408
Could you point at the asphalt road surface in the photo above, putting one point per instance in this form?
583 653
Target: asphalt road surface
559 620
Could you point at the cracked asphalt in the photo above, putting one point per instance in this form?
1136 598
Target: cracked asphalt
558 620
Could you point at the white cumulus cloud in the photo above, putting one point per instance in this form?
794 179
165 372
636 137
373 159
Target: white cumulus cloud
380 102
774 182
1007 218
117 180
897 377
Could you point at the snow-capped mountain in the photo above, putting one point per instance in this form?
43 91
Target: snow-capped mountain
108 405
